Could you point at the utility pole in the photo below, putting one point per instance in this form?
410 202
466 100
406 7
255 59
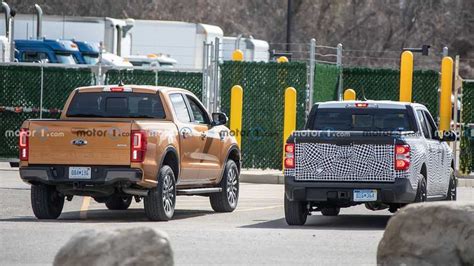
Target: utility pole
289 16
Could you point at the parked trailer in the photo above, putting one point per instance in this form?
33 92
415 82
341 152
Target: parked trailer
254 50
114 33
183 41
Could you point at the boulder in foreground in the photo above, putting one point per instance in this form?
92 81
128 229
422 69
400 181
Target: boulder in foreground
440 233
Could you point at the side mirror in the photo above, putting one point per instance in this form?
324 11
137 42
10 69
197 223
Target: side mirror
218 119
446 135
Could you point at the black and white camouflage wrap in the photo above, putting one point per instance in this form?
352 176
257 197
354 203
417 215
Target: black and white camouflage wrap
373 163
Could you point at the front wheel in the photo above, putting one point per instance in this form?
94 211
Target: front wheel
453 184
295 212
226 200
116 202
330 211
421 194
161 200
46 201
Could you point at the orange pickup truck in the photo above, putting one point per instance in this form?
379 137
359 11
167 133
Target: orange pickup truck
116 143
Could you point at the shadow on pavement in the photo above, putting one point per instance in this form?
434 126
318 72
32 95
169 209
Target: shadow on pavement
107 216
341 222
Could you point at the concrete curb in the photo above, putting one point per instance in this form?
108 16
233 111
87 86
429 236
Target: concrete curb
276 177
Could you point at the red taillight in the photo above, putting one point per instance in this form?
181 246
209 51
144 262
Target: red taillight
402 157
363 105
138 143
116 89
289 155
23 144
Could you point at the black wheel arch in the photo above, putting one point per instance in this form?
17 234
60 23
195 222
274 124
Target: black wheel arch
170 157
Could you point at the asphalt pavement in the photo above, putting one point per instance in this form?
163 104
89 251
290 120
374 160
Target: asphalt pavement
256 233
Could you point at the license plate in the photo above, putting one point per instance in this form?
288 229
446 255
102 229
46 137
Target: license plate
365 195
79 172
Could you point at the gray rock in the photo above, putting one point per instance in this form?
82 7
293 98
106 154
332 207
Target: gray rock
132 246
440 233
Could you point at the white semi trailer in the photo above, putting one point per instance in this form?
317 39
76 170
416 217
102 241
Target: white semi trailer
114 33
183 41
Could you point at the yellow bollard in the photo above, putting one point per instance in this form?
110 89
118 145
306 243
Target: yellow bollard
445 105
236 102
349 95
282 59
237 55
289 123
406 76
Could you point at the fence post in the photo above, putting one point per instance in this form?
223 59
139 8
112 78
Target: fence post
217 93
406 76
42 89
339 65
349 95
289 121
312 64
236 102
205 66
445 95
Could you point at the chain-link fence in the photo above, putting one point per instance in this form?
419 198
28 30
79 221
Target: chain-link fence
264 85
383 84
40 91
466 160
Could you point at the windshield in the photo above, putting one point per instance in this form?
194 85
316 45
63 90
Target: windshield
358 119
116 104
91 59
65 58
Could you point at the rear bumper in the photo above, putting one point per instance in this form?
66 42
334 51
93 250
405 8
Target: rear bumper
399 191
100 175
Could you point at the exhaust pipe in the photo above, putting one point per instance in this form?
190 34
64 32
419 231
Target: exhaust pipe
39 22
6 9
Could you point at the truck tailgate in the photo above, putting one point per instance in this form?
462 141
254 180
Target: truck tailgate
366 159
79 142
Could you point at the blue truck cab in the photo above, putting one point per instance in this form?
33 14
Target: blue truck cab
88 52
48 51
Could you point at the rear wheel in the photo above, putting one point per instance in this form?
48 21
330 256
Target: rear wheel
116 202
295 212
453 184
421 194
46 201
330 211
227 199
161 201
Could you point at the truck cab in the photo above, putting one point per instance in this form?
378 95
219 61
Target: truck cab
47 51
88 52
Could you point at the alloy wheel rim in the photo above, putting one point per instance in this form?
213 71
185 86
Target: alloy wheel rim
232 189
168 195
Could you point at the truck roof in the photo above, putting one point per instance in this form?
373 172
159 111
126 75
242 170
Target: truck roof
152 89
56 45
379 104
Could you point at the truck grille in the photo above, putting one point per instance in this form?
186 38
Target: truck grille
356 162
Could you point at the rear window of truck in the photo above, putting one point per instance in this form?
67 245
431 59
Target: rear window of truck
357 119
116 104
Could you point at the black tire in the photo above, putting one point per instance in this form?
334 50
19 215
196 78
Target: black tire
421 194
453 187
295 212
46 201
161 200
116 202
227 199
330 211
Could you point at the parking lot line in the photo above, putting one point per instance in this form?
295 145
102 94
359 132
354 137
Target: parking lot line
259 208
84 207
